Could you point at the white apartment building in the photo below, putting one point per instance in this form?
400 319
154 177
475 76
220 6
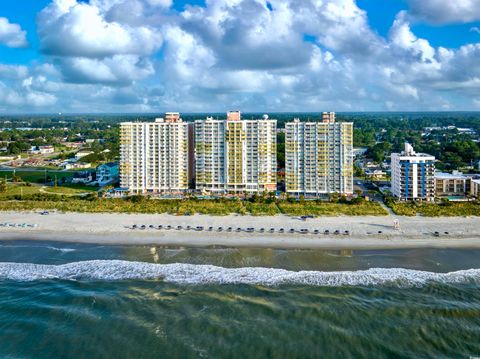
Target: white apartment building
155 155
210 155
235 155
413 175
319 157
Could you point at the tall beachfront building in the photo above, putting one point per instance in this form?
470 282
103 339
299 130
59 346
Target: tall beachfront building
319 157
155 156
235 155
413 175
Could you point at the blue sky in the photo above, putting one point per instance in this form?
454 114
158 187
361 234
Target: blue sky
256 55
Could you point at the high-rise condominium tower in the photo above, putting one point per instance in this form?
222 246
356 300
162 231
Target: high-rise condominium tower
319 157
413 175
236 155
154 156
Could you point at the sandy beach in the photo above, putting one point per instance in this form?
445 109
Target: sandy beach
365 232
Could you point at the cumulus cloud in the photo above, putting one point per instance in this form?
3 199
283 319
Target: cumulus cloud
161 3
24 98
445 12
68 28
280 55
12 35
15 72
246 53
118 69
102 41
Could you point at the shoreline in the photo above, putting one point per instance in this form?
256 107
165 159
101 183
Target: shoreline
114 229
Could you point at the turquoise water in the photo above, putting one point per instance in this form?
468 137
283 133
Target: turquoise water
88 301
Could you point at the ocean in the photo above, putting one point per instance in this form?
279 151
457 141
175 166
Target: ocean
64 300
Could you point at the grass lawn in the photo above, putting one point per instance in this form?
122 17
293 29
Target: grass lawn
35 176
17 190
66 190
13 190
80 187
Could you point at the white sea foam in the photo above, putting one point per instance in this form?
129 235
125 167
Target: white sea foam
63 250
207 274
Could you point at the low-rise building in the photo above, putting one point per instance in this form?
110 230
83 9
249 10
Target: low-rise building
376 174
71 144
81 154
75 165
475 188
454 186
9 158
107 173
413 175
41 150
359 151
83 177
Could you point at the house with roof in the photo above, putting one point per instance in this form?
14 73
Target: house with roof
83 177
107 173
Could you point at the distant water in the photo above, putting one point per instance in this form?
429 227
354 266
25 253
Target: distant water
88 301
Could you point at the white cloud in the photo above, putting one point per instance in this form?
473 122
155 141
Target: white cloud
118 69
103 41
309 55
402 37
24 97
16 72
445 11
12 35
161 3
68 28
40 99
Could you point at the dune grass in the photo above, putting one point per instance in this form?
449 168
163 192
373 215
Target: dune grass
68 200
318 208
449 209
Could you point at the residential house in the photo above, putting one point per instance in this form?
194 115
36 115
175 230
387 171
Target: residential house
107 173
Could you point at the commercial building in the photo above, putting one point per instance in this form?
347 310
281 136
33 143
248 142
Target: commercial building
155 157
413 175
235 155
319 157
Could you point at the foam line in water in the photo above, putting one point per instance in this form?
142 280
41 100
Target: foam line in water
109 270
63 250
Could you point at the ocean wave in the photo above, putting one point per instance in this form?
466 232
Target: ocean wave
63 250
112 270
